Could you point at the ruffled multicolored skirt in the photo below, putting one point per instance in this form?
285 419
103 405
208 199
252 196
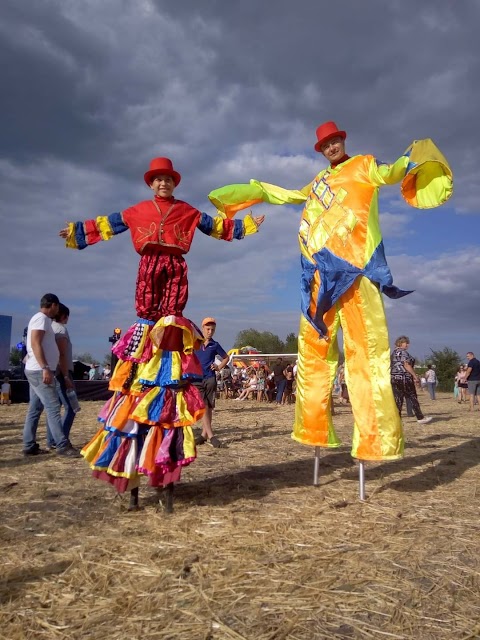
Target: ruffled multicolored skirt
147 424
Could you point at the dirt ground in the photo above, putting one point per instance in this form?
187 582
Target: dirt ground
253 551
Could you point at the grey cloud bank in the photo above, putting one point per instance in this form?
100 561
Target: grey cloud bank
230 91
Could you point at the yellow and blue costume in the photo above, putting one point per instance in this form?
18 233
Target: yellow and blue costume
344 272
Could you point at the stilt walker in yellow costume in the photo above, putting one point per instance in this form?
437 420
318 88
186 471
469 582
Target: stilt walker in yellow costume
344 273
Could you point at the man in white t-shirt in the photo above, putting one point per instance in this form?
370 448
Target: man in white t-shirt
64 372
40 366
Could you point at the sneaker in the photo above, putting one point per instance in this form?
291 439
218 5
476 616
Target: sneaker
69 452
215 442
200 440
35 451
425 420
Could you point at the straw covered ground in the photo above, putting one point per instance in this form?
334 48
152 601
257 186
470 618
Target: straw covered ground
253 551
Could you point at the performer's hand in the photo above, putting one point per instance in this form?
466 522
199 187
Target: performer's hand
68 383
258 220
64 233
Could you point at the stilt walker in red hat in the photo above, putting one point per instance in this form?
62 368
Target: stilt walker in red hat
147 425
344 273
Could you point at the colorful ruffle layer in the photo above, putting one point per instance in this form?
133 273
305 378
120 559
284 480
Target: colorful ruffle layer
147 423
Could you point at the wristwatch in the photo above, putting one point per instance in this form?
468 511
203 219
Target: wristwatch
46 368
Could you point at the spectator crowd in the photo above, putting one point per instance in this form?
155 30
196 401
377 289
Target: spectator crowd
259 382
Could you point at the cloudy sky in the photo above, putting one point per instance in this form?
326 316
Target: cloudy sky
232 90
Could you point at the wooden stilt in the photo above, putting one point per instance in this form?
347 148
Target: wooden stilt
316 467
133 506
168 497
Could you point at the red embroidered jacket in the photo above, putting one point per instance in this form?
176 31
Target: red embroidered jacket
167 223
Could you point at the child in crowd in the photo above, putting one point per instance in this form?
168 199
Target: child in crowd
461 383
261 381
236 385
271 387
6 397
288 394
250 386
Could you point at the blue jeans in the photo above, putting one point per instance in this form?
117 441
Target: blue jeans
431 389
42 396
280 389
68 415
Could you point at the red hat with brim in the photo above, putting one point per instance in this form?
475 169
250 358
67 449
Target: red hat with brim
159 167
326 132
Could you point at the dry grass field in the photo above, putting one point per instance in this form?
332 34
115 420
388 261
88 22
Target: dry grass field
253 551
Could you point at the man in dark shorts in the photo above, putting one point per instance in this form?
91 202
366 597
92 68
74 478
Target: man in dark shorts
473 378
208 385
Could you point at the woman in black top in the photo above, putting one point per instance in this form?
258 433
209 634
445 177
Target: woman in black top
404 378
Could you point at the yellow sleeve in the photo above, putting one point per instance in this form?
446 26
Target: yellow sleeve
306 189
423 170
383 174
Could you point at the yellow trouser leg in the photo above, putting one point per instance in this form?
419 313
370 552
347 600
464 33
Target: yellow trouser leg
377 433
317 365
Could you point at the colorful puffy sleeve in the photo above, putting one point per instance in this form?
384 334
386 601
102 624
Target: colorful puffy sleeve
235 197
82 234
424 172
223 228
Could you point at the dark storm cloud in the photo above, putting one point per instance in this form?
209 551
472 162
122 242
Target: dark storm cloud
45 61
115 78
230 90
389 73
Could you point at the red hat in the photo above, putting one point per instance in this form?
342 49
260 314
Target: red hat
326 131
161 166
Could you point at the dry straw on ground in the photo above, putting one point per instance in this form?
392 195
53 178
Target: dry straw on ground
253 550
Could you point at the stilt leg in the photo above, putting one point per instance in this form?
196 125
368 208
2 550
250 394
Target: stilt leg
133 506
316 467
168 497
361 479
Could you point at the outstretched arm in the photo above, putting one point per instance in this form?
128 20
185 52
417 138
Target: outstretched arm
424 172
225 229
235 197
79 235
